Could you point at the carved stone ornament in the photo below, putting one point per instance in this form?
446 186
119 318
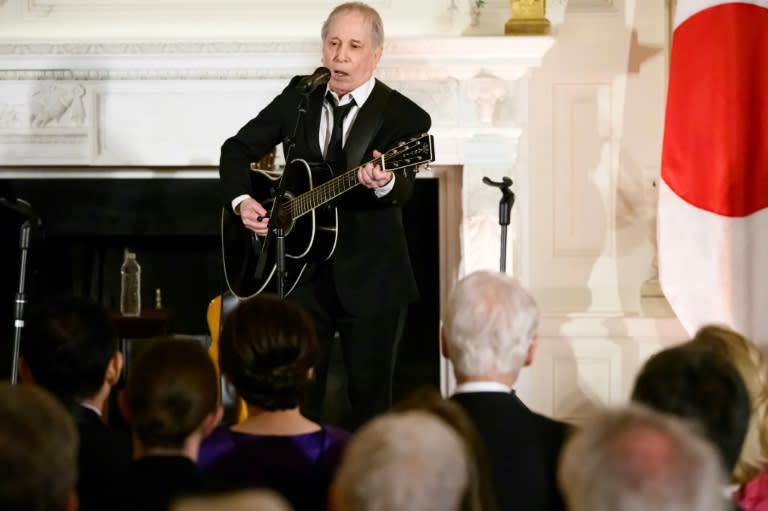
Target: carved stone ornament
61 104
486 92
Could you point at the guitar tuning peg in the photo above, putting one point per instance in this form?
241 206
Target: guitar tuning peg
401 143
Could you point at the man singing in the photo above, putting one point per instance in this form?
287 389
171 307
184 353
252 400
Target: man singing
363 290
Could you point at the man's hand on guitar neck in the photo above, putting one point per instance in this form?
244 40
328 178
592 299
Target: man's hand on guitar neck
371 176
254 216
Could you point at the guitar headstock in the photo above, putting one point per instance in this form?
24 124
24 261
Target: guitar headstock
414 154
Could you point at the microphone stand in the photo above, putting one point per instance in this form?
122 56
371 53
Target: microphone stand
21 298
505 206
276 227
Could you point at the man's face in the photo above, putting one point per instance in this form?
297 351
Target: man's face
348 52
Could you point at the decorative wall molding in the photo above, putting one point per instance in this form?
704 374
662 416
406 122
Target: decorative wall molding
149 48
591 7
403 59
583 145
146 74
47 7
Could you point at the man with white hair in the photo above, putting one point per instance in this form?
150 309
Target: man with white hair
409 460
489 335
634 459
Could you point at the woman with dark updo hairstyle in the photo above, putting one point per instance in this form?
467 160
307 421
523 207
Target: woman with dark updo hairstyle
267 350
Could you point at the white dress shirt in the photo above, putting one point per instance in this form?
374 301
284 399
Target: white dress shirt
481 386
361 95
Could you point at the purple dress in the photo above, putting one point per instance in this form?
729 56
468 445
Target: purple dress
300 467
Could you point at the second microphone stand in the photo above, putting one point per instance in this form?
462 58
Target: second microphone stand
505 207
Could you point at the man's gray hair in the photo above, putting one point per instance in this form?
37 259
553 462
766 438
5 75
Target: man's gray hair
408 460
634 459
369 13
38 450
490 321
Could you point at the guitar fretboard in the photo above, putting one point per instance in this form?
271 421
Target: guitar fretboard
411 154
325 192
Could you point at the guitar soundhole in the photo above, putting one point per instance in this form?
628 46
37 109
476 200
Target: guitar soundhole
284 215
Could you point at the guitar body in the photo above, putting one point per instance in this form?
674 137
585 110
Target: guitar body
306 214
310 236
235 409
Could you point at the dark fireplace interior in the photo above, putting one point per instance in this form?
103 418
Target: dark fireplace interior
173 226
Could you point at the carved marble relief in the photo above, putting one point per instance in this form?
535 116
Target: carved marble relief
486 92
57 105
12 116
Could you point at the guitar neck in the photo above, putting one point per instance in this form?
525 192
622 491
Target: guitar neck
325 192
410 154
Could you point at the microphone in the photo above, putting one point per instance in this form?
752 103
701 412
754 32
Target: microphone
21 207
311 82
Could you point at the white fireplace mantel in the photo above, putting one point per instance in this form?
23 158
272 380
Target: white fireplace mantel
403 59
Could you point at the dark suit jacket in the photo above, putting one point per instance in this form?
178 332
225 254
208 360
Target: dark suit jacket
523 449
371 266
155 481
103 460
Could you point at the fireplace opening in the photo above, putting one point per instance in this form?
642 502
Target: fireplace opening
173 226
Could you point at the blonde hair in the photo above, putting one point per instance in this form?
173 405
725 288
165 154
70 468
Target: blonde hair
752 365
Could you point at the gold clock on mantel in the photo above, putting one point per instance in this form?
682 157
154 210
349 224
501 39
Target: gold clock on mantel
528 18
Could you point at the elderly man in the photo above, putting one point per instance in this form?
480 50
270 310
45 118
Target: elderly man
634 458
409 460
362 290
489 334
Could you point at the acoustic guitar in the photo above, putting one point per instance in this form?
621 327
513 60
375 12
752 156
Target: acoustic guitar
303 210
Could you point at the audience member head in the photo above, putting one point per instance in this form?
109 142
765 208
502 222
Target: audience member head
699 385
751 364
38 451
171 397
267 350
70 348
480 493
489 328
410 460
637 460
245 500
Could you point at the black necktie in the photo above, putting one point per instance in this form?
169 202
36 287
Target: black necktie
334 155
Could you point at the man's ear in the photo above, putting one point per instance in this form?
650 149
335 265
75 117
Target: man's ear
444 343
25 373
114 369
532 349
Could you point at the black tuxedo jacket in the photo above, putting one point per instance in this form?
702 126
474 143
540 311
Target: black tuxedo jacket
371 265
103 461
523 449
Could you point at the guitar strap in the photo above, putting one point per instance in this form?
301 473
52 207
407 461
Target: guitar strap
367 123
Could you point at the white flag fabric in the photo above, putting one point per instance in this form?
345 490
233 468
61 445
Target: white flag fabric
712 218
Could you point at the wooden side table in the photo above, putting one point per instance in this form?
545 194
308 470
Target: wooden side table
151 323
